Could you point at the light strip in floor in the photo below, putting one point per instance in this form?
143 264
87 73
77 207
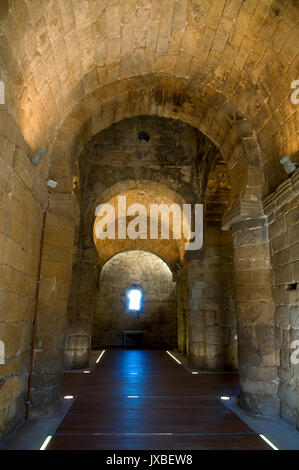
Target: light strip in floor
173 357
268 442
99 358
45 443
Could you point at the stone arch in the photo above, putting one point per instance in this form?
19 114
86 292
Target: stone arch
164 261
209 111
158 315
100 196
205 109
170 250
248 53
227 68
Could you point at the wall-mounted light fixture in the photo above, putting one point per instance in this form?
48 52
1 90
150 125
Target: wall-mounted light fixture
36 158
288 165
51 184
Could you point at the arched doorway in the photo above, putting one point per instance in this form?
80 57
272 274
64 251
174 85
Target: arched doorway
111 313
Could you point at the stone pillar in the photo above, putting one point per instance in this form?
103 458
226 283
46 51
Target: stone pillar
255 314
80 311
181 278
212 319
282 210
54 289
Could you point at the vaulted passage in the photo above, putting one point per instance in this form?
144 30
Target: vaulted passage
144 400
157 315
149 145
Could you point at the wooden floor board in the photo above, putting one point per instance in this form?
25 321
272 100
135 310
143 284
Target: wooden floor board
186 442
139 399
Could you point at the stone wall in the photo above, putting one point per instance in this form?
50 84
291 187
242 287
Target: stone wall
255 316
116 155
212 321
241 48
282 209
169 141
158 314
23 197
187 60
56 273
183 309
84 275
160 170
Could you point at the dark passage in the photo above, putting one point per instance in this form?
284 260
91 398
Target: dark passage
140 399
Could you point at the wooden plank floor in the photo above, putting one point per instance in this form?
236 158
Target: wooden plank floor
141 399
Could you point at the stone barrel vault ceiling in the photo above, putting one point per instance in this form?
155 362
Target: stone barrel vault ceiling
170 250
66 61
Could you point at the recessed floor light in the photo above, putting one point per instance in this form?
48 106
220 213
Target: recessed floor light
194 373
45 443
173 357
268 442
86 371
99 358
225 398
68 397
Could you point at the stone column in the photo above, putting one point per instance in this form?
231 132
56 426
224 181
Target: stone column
255 314
282 210
80 311
181 278
54 289
212 319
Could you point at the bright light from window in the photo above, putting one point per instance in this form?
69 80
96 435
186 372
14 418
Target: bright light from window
134 296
